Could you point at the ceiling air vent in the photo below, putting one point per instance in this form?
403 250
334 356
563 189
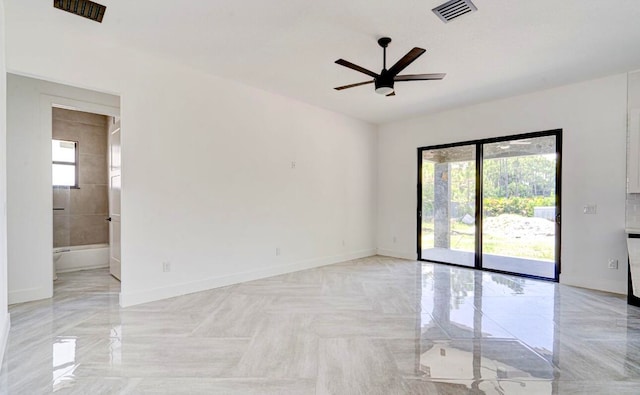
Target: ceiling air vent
454 9
84 8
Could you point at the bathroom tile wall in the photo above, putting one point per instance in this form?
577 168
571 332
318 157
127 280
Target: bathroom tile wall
82 221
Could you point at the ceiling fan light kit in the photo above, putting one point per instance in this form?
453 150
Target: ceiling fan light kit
384 90
384 82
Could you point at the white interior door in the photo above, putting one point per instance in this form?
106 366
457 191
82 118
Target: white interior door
114 198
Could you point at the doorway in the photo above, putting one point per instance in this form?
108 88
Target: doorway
84 203
30 116
492 204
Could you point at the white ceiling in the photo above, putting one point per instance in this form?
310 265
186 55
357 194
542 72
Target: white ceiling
289 47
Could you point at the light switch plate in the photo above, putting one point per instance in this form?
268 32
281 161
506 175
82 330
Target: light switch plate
590 209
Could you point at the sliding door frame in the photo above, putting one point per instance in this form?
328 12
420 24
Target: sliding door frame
479 144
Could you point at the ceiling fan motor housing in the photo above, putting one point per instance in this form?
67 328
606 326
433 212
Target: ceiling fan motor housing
384 83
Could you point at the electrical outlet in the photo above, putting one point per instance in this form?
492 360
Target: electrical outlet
277 251
344 243
613 263
394 239
293 164
166 267
590 209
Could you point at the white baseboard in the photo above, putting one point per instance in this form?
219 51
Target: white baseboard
30 294
4 336
150 295
398 254
601 285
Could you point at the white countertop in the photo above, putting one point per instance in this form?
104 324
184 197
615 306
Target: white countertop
632 231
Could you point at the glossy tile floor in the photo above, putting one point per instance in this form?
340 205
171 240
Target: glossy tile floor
371 326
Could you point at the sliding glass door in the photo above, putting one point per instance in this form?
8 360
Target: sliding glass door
519 206
492 204
449 205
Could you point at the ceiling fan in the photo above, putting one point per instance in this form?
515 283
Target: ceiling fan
385 80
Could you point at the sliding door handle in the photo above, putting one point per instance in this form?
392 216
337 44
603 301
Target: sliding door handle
108 219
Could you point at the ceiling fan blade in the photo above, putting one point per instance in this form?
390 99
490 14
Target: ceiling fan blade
420 77
355 67
353 85
392 94
406 60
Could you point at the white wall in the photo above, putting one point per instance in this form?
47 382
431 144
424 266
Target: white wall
29 201
207 177
4 316
208 185
592 115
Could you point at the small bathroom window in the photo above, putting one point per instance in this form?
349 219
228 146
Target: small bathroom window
65 163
